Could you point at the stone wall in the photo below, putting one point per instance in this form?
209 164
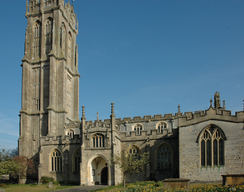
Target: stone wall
189 151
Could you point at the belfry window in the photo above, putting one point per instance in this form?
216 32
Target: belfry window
138 129
37 39
62 38
77 159
49 29
56 159
164 157
212 146
161 126
98 140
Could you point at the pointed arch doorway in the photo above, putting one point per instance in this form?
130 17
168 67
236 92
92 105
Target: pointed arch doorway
98 171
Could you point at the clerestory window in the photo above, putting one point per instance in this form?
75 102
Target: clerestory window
212 146
161 126
98 140
138 129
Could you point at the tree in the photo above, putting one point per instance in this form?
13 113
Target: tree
7 163
130 162
26 166
11 163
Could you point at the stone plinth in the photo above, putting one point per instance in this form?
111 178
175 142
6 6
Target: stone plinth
233 179
175 183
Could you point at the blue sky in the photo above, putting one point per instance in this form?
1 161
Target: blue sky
146 56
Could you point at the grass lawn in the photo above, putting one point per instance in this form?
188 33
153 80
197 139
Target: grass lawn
149 186
34 188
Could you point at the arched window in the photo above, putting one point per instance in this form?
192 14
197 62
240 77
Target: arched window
70 133
37 39
134 152
49 31
77 159
138 129
161 126
56 159
164 157
98 140
212 146
62 38
69 48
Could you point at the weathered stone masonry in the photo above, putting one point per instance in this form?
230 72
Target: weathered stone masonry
197 146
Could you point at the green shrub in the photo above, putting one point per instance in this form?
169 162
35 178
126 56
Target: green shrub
160 184
141 188
45 179
56 183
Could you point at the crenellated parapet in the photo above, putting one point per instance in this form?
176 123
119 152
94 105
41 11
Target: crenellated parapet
37 7
60 140
190 118
97 124
154 134
146 118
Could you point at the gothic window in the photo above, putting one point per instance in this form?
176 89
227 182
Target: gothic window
161 126
62 38
98 140
212 147
49 29
37 39
138 129
77 159
69 48
135 152
71 133
164 157
56 159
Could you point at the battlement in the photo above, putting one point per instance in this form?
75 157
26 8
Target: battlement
37 7
146 118
153 134
190 118
98 124
60 140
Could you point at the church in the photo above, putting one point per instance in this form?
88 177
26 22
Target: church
199 146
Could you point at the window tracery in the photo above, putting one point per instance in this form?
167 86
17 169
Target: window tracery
164 157
49 31
56 160
138 129
37 39
98 140
212 147
161 126
77 159
62 37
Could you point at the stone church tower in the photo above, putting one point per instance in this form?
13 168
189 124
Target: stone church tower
200 145
50 77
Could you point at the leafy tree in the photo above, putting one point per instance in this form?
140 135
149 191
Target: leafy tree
7 162
26 166
11 163
130 163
